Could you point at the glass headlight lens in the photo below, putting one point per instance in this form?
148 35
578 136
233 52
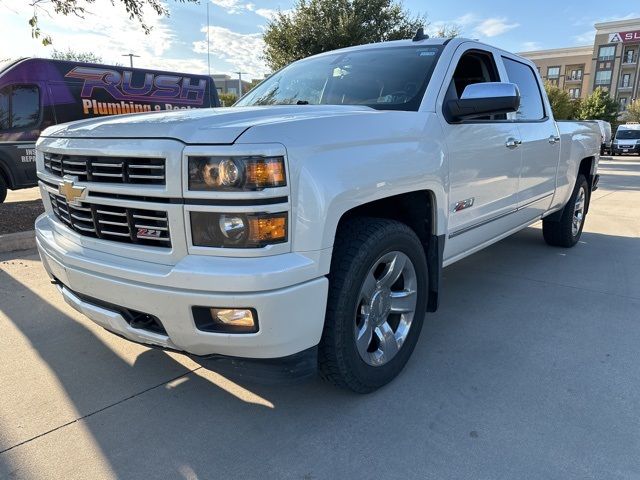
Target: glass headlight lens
233 230
236 173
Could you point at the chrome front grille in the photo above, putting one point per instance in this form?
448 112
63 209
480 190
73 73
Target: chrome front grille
120 224
145 171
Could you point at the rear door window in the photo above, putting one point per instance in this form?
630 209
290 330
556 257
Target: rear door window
531 107
19 107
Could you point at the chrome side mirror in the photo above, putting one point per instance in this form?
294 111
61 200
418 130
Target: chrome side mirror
484 99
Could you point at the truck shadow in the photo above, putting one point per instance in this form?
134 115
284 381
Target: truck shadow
511 331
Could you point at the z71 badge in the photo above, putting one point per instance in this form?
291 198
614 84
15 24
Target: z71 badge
148 233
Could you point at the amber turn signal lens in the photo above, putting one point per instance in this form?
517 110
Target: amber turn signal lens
265 172
268 229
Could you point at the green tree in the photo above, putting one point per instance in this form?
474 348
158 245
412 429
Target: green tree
79 8
562 105
633 112
599 106
316 26
75 56
227 99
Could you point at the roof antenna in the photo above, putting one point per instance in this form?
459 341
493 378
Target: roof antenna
420 35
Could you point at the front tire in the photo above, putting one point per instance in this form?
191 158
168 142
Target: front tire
377 302
567 231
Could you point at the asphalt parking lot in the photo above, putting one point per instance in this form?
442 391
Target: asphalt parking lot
529 370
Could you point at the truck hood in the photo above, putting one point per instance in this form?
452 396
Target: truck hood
220 126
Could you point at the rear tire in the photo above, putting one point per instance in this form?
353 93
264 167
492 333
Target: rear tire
567 231
377 302
3 189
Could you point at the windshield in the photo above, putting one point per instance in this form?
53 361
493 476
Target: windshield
628 134
391 78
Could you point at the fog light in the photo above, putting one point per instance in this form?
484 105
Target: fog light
226 320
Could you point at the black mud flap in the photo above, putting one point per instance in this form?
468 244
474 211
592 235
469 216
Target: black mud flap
435 251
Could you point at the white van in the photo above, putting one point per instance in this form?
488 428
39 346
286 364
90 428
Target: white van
627 139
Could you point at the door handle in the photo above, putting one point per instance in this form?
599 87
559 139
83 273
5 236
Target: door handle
553 139
513 143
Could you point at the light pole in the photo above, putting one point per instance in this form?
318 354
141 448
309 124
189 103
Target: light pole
131 55
240 82
208 44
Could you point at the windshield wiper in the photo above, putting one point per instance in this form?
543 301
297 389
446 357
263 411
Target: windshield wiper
302 102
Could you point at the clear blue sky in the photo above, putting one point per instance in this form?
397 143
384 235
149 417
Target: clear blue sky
179 42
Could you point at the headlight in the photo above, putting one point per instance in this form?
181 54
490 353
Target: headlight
236 173
235 230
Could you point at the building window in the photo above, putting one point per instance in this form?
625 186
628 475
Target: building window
607 52
626 81
574 92
629 56
553 73
623 103
575 74
603 77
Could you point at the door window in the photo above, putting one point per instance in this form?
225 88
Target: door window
5 94
531 106
475 66
19 107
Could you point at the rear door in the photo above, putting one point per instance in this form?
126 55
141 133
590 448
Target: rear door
484 160
540 140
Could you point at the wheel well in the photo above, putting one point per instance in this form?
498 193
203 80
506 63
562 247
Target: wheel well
417 211
4 173
586 167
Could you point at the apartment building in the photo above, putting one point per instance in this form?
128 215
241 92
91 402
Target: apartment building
610 63
567 68
615 61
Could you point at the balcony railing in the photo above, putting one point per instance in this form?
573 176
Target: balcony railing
574 78
625 85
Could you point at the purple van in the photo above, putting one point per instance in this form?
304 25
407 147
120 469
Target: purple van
36 93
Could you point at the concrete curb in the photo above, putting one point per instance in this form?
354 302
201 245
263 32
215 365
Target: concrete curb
12 242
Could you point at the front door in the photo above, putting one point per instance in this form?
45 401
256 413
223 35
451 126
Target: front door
484 164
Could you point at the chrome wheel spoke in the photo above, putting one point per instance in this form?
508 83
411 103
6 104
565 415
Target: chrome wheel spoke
404 301
388 343
578 212
369 286
363 339
394 270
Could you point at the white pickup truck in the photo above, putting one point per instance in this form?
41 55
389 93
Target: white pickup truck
308 225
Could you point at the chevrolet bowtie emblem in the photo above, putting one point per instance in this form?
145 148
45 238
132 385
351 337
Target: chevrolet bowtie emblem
69 191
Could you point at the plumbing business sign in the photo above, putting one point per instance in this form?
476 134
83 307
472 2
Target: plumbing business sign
624 37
